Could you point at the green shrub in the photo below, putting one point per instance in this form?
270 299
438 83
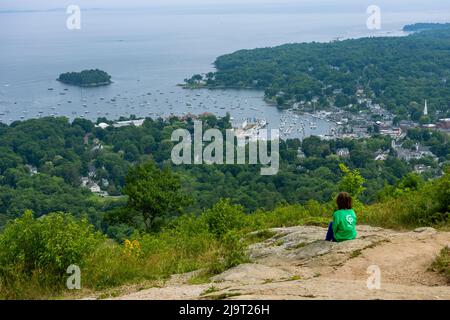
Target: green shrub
42 249
427 206
312 213
230 252
224 217
184 246
442 263
111 265
259 236
234 249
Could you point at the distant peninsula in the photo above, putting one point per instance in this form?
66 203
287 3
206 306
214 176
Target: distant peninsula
86 78
425 26
396 73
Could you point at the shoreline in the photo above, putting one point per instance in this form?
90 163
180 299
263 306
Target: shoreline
400 33
204 86
92 85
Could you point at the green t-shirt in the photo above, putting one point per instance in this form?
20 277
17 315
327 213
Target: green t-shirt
344 225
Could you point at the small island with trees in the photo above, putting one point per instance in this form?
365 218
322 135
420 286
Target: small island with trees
86 78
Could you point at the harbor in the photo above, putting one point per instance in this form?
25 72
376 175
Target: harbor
114 103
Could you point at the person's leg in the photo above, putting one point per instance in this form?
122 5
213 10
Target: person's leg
330 233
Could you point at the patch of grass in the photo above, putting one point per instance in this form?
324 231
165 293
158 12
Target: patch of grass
211 289
259 236
293 278
110 294
317 221
278 236
312 212
311 296
358 252
375 244
355 253
223 296
298 246
278 243
408 209
442 263
201 278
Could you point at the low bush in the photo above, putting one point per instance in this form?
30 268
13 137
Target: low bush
429 205
224 217
442 263
41 250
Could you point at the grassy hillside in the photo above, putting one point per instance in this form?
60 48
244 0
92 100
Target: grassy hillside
34 253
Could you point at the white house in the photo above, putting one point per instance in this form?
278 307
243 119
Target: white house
102 125
343 152
95 188
136 123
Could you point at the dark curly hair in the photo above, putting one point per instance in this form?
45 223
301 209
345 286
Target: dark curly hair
344 201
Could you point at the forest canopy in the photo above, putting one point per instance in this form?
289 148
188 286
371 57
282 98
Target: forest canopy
398 73
43 162
86 78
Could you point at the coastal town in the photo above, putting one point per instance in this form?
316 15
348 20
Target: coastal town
374 120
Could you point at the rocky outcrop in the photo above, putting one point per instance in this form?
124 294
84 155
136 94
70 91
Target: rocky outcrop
296 263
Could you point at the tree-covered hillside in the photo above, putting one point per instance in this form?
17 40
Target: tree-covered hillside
397 72
43 163
425 26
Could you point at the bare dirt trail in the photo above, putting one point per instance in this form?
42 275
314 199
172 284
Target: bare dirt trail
297 264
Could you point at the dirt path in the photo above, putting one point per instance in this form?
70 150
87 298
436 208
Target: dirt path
297 264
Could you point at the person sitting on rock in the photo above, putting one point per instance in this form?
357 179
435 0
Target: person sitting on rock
343 226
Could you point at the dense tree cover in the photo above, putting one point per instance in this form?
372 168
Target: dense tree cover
155 193
45 194
152 241
425 26
63 152
438 142
86 78
397 72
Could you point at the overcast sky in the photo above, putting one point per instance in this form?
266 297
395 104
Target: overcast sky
403 5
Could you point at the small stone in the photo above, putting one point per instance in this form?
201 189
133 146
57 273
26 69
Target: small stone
425 229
